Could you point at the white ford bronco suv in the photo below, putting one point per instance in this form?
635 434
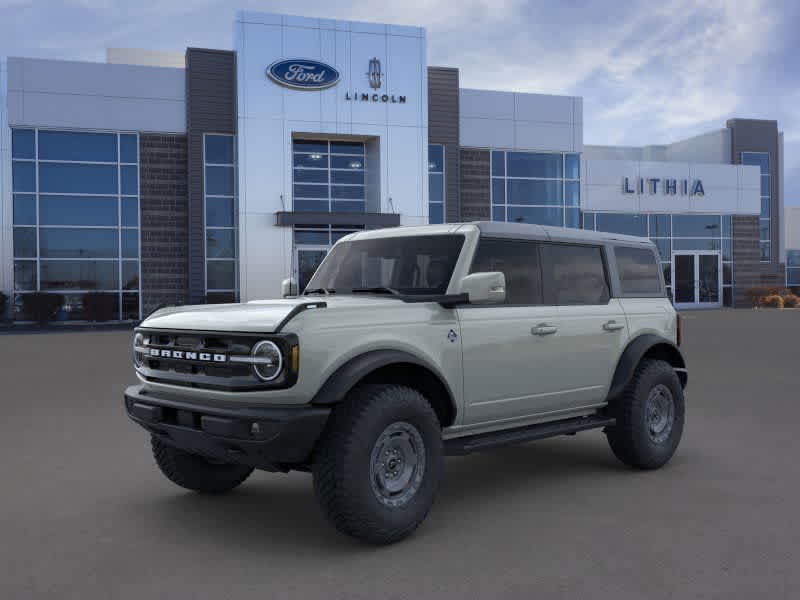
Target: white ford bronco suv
409 344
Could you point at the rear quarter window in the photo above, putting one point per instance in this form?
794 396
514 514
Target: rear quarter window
574 274
638 271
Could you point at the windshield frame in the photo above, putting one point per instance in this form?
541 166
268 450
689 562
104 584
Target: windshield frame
449 258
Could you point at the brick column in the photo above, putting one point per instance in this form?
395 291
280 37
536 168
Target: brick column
164 220
475 184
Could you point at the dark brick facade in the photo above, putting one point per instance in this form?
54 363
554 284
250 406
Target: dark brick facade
748 271
210 108
164 220
475 182
443 128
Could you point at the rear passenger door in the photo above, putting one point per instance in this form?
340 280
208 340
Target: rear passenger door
592 329
509 370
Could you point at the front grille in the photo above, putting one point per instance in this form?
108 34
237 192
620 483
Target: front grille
195 365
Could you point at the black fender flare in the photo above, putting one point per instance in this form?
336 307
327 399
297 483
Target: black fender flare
349 374
661 347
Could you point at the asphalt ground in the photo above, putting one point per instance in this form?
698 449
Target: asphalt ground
85 514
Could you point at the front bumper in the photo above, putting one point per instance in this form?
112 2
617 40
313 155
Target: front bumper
273 438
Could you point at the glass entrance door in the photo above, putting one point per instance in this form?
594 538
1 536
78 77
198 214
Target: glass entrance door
307 261
697 279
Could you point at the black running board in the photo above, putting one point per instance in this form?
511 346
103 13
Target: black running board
483 441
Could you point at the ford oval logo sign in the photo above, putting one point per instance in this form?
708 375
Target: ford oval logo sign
303 74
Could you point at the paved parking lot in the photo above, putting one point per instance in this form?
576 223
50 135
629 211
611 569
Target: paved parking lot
84 513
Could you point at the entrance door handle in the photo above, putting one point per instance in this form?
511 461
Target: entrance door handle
544 329
613 326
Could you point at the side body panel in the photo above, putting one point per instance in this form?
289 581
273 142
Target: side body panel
650 315
508 371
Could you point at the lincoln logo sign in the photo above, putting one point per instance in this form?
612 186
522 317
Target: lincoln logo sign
302 74
669 187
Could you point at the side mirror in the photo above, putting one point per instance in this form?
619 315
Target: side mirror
485 288
288 287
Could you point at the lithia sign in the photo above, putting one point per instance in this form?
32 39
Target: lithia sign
306 74
667 186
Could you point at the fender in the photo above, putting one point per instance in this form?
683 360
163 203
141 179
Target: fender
343 379
655 345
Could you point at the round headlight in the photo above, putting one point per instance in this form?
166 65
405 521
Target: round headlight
268 361
138 342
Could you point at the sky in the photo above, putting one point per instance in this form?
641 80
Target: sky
649 72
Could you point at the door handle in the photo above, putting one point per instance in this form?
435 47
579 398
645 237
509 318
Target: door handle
613 326
544 329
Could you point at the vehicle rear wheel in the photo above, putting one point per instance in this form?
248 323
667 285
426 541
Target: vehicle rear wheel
378 464
650 417
194 472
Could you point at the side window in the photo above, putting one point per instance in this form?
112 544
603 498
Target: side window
638 271
574 275
518 261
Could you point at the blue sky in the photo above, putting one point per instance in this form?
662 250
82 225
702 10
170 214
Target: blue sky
649 72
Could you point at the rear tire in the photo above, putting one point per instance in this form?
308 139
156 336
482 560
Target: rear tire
650 417
378 463
194 472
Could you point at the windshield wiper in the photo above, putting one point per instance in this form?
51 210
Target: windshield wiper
376 290
323 290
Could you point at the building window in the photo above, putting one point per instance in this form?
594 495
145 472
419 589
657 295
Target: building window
328 176
76 221
793 268
674 232
436 183
221 228
761 160
311 245
535 187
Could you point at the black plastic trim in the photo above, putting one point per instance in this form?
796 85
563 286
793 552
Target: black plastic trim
348 375
633 354
297 310
506 437
286 437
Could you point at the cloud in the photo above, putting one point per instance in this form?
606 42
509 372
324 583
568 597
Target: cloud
649 72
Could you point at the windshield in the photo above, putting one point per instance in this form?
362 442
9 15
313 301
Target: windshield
403 265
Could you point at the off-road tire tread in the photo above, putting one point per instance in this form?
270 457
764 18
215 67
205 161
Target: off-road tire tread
194 473
628 440
333 479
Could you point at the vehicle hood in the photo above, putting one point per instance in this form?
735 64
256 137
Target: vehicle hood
257 316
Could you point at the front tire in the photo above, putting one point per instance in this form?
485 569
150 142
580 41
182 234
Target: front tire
650 417
194 472
378 464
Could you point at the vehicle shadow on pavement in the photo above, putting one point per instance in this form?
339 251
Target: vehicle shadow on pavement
279 513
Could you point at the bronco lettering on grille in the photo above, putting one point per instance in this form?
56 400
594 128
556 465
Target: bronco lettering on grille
180 354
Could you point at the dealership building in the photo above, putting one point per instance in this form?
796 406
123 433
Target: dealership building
212 175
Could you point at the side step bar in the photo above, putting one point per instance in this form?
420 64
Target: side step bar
483 441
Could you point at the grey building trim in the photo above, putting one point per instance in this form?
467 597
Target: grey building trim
367 220
164 220
443 128
210 108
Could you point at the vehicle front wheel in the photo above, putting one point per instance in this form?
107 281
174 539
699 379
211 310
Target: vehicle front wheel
194 472
378 464
650 417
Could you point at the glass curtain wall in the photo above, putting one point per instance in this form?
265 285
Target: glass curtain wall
535 187
793 268
435 183
219 158
673 232
76 221
328 176
761 160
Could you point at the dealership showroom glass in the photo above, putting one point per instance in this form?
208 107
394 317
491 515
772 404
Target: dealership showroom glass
212 175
